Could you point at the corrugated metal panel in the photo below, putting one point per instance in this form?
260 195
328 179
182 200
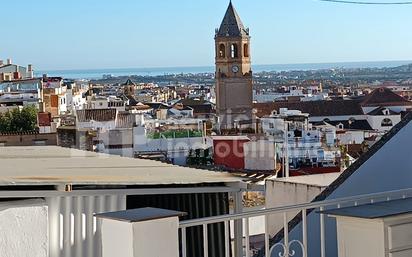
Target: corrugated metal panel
72 228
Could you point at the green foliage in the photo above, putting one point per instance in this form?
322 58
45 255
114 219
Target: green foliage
200 157
174 134
19 120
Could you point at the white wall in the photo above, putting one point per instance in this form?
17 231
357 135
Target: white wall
124 152
156 238
62 103
117 238
259 155
351 137
106 125
347 117
376 121
284 192
24 229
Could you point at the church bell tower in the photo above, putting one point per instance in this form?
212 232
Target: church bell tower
234 87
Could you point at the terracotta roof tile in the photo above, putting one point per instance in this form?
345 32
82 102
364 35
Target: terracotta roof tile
384 97
96 115
314 108
125 120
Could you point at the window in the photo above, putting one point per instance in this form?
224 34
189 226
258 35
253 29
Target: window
246 50
271 125
386 123
222 51
233 51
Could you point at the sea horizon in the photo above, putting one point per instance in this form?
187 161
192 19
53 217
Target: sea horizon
158 71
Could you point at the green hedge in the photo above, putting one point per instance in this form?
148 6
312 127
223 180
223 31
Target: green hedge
174 134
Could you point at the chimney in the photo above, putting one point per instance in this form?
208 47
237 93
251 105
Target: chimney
140 232
30 73
9 61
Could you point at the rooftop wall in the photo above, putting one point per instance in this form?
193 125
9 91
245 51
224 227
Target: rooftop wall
28 139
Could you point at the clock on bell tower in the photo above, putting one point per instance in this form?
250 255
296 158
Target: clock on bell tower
234 92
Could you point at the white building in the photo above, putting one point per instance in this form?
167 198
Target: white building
110 102
96 119
21 92
306 145
10 71
382 119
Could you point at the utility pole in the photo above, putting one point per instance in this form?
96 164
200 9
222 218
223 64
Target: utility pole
286 151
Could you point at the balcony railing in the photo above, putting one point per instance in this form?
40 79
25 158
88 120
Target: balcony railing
285 246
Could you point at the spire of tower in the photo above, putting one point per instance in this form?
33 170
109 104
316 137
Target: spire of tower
232 25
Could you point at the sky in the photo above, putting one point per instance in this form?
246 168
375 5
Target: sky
97 34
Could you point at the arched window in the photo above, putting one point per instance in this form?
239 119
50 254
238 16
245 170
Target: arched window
386 123
233 51
222 51
246 50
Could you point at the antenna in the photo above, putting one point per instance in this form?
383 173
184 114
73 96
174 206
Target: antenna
366 3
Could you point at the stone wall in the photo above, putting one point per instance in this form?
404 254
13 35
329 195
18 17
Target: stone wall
28 139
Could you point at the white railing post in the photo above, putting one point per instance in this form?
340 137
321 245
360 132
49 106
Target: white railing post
286 233
247 241
322 233
205 242
227 239
184 249
267 246
238 225
304 233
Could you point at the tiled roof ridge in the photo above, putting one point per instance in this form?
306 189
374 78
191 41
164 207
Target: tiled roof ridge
372 98
87 115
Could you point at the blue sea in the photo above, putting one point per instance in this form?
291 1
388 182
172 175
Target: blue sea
98 73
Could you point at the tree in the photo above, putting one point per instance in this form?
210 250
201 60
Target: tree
19 120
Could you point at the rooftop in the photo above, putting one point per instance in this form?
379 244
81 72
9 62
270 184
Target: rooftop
384 97
314 108
351 124
52 165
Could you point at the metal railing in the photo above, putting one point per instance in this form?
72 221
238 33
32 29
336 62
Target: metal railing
285 244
